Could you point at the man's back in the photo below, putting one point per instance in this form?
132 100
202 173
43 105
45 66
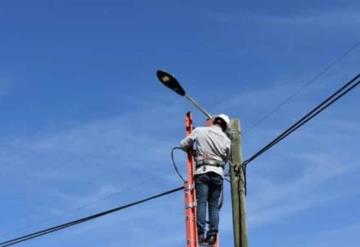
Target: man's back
212 146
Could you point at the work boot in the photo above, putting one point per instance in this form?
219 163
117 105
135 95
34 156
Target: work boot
211 239
201 238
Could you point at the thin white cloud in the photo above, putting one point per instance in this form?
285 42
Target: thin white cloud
272 201
325 19
338 18
335 237
109 162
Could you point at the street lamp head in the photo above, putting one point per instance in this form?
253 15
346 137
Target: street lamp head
170 81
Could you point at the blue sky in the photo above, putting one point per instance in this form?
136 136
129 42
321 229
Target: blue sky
86 126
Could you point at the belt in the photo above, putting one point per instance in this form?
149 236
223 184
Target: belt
210 163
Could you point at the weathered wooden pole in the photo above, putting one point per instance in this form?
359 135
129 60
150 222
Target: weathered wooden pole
238 187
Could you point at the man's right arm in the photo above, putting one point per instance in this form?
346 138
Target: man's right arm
188 142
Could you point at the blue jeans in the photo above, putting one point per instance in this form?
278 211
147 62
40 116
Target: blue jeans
208 191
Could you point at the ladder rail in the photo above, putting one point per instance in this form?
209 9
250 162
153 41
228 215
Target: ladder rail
190 192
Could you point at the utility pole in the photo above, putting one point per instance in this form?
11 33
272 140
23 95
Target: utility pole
238 187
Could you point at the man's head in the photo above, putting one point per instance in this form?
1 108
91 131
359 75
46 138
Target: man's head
223 121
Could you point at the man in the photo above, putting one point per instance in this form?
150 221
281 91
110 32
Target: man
212 149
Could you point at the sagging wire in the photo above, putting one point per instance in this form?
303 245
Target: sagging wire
47 231
346 88
221 201
174 164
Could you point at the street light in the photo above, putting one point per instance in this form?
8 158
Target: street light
170 81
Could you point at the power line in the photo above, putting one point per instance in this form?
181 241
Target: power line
72 211
82 220
318 109
305 85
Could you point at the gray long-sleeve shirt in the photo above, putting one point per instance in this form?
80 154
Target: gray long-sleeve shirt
211 145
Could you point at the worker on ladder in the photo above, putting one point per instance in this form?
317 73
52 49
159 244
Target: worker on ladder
212 150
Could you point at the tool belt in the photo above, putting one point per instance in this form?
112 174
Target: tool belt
210 163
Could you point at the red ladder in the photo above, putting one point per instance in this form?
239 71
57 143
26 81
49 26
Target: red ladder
190 193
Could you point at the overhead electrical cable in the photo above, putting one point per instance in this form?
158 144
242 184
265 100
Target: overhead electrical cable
128 188
305 85
82 220
318 109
